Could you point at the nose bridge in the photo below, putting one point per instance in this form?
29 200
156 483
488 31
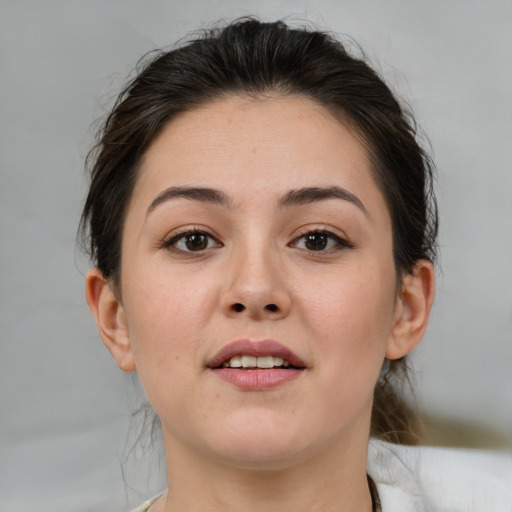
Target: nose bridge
256 285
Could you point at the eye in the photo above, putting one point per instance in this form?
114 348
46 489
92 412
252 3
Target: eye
320 240
192 241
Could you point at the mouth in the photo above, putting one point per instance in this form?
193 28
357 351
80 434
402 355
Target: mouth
261 362
256 365
251 354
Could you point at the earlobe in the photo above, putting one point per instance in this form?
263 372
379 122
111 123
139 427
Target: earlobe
412 310
110 318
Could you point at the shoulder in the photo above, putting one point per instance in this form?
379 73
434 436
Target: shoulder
440 480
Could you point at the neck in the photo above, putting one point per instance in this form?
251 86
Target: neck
332 481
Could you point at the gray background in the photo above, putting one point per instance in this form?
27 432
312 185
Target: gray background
64 406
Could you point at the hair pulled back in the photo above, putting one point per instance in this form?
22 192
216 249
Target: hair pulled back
248 57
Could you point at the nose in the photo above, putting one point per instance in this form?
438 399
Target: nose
256 287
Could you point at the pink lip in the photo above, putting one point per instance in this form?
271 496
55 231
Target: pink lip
256 379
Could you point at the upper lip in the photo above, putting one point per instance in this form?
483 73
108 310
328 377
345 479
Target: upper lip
256 348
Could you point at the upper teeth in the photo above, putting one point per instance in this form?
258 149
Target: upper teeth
255 362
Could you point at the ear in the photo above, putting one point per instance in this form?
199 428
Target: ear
110 318
412 310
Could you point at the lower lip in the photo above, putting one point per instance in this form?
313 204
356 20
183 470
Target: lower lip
257 380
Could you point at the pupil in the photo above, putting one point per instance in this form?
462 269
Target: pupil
196 242
316 241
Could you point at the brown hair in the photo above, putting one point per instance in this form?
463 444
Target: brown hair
249 57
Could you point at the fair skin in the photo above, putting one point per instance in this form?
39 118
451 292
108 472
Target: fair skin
250 260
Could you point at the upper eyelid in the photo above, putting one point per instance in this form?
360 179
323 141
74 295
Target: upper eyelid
321 228
179 232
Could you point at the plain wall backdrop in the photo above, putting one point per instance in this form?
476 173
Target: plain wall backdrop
64 406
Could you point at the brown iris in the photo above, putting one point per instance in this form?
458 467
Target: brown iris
196 241
316 241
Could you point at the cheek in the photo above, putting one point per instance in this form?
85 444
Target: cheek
166 317
348 319
351 319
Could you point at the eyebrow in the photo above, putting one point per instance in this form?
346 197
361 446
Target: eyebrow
296 197
209 195
309 195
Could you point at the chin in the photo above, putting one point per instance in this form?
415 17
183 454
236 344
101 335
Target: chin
254 457
261 443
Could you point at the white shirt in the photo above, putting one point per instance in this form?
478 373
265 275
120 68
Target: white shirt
423 479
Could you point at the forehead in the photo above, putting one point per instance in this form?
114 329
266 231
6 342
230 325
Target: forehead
250 146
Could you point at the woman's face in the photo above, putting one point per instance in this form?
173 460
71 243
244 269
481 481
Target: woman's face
256 229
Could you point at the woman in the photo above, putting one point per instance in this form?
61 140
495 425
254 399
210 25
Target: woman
262 224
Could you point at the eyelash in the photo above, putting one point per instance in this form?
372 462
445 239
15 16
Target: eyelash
340 243
171 244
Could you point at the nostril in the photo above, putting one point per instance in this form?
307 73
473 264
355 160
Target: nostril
271 307
238 307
